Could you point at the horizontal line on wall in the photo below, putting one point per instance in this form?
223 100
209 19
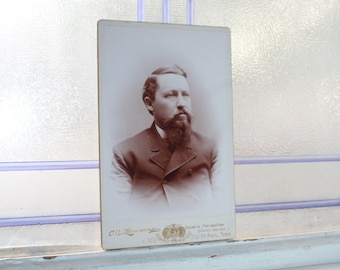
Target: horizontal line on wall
248 208
49 165
45 220
95 217
94 164
285 159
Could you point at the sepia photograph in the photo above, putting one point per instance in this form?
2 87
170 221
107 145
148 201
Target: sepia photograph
165 130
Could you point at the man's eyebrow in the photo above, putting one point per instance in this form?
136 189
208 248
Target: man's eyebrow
176 91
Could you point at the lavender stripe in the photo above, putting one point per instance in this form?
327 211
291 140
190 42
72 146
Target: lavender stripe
190 12
94 164
95 217
248 208
44 220
140 11
166 11
288 159
49 165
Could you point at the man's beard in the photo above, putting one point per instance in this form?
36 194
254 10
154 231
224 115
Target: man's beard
178 131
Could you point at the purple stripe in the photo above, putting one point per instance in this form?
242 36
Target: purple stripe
49 165
166 11
140 11
288 159
190 12
248 208
94 164
95 217
44 220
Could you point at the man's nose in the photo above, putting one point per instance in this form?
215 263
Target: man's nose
180 102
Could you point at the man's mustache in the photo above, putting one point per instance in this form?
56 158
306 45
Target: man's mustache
173 122
183 111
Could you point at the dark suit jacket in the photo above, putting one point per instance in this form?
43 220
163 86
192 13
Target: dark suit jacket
146 173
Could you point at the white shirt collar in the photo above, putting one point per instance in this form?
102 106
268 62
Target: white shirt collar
161 132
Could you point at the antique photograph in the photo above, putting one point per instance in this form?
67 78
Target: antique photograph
165 129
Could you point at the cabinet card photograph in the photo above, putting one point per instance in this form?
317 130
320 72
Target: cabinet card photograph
166 141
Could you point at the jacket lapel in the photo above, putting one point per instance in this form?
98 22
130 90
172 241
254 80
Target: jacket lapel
160 153
180 157
162 156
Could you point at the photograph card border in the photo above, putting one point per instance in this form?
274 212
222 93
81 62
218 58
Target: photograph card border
127 54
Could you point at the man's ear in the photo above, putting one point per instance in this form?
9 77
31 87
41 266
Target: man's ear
148 104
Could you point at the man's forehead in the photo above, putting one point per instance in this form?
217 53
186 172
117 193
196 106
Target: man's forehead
172 81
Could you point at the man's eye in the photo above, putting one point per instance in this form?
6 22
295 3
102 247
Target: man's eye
186 94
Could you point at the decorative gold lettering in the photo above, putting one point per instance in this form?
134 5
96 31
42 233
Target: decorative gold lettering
132 232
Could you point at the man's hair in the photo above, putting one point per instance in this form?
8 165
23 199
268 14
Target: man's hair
151 84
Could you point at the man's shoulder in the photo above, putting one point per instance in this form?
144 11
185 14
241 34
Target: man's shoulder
135 140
